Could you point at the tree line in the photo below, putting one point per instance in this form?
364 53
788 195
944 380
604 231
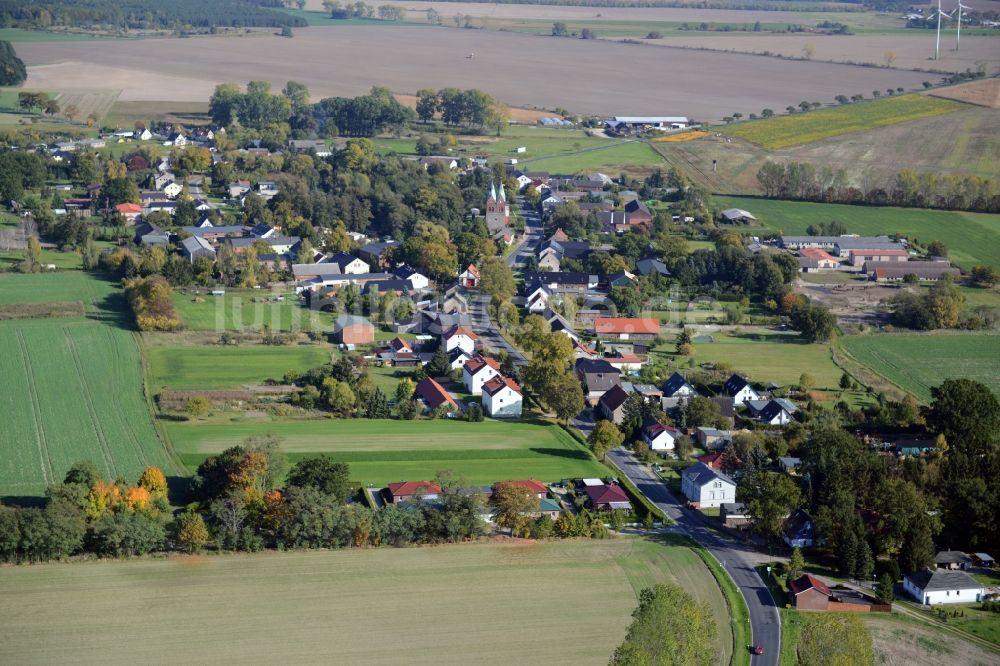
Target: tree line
908 188
145 14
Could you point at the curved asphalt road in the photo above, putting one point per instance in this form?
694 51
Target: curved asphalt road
764 621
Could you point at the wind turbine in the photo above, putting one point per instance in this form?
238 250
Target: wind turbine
937 44
958 35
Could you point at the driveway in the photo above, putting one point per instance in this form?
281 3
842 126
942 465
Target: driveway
736 558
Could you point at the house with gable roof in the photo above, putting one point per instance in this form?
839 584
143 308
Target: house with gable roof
477 371
502 398
707 487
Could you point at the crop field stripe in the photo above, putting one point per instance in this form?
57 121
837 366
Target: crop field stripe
43 449
119 364
88 401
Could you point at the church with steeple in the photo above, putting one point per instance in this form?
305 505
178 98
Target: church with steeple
497 212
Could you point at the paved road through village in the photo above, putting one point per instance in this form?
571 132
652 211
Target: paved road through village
736 558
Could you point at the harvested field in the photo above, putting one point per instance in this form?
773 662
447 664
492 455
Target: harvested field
381 452
488 603
981 93
900 641
96 103
800 128
406 58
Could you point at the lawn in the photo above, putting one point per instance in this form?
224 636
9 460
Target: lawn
380 452
799 128
247 309
505 603
603 157
972 238
767 357
73 387
918 362
219 367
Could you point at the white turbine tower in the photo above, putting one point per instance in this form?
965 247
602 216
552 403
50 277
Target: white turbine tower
937 44
958 35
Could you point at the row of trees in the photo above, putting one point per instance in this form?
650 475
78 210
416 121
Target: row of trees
802 180
473 108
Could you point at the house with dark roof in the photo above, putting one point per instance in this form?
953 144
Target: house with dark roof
193 247
739 389
659 437
734 515
477 371
798 530
597 377
809 593
353 330
612 404
678 387
933 587
348 263
707 487
647 267
638 214
952 560
376 254
150 234
776 411
502 398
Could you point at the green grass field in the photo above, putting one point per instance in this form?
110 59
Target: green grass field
919 362
247 309
73 387
785 131
551 602
768 357
609 158
972 238
218 367
380 452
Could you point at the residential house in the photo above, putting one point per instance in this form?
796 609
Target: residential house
638 214
278 244
549 507
459 337
626 362
715 459
607 497
398 287
712 438
740 390
559 324
377 253
268 189
621 328
477 371
408 491
263 230
789 464
418 281
597 377
536 488
734 515
173 189
142 134
502 398
161 180
150 234
353 330
809 593
318 147
776 411
568 281
678 387
169 207
129 211
647 267
469 278
705 487
611 405
434 396
238 189
348 263
455 301
659 437
458 357
952 560
193 247
737 216
933 587
798 530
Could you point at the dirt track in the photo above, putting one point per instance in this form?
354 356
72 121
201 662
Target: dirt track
522 70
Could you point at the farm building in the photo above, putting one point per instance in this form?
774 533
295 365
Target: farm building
737 216
712 438
502 398
925 271
193 247
707 487
630 124
621 328
930 587
859 257
810 593
353 330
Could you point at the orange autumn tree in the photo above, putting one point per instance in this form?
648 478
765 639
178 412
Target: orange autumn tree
138 499
154 481
252 473
104 497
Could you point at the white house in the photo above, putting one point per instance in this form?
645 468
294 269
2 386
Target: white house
678 387
659 437
707 487
143 134
459 337
939 586
458 357
477 371
172 189
418 281
740 390
776 411
502 398
348 263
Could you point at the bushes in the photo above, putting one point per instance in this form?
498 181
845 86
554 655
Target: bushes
151 304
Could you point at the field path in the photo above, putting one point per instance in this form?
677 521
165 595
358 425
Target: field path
43 449
88 402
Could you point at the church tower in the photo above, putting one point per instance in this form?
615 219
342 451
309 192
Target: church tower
497 212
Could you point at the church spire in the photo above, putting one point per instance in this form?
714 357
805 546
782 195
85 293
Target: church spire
493 192
503 193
